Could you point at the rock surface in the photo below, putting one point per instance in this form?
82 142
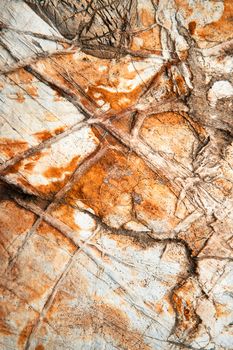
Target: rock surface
116 160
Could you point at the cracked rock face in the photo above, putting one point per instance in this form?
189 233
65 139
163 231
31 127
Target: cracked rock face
116 161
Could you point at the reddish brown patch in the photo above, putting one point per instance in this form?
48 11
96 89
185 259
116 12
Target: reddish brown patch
21 76
147 17
192 27
11 148
39 347
32 90
24 335
91 79
57 96
180 82
50 232
152 209
184 6
43 135
58 172
222 29
65 213
196 235
4 328
118 101
183 300
59 130
13 225
148 40
109 185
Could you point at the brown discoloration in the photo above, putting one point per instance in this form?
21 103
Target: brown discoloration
4 328
184 6
47 134
118 101
181 85
221 29
65 213
152 209
24 335
12 226
147 17
43 135
222 310
57 172
196 235
148 40
57 96
11 148
183 300
192 27
21 76
20 97
100 84
51 233
32 90
31 164
108 186
39 347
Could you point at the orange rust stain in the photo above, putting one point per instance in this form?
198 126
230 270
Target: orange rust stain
117 100
109 184
24 335
4 328
98 77
32 90
32 161
147 17
192 27
221 310
43 135
11 148
13 225
57 96
152 209
66 213
221 29
20 97
1 86
58 172
159 308
59 130
184 7
196 235
21 76
99 187
39 347
52 233
180 82
148 40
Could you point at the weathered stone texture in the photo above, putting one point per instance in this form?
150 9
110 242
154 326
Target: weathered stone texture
116 185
